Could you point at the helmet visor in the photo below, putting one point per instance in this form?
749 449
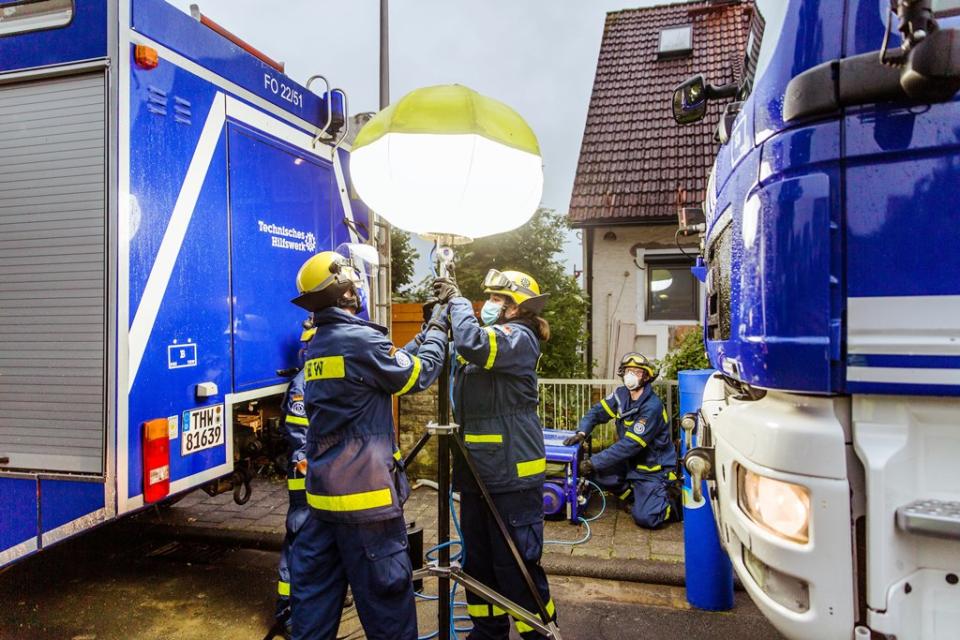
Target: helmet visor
363 263
496 280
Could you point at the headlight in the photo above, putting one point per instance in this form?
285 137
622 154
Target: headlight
783 508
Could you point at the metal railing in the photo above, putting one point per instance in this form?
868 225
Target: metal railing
564 401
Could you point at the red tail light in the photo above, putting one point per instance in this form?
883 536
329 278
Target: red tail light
156 460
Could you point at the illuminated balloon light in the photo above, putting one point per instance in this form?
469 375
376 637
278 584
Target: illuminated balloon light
446 160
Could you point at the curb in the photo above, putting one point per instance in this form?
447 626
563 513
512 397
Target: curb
649 572
263 540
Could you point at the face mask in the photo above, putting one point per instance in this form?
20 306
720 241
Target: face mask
490 312
631 381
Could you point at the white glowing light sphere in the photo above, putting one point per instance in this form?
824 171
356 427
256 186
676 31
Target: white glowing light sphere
446 160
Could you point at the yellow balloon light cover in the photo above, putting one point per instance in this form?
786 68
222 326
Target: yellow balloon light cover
447 161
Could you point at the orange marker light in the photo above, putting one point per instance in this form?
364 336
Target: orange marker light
146 57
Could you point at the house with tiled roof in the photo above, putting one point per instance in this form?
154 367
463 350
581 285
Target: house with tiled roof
637 167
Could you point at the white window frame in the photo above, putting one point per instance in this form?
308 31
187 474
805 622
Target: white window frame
666 53
660 329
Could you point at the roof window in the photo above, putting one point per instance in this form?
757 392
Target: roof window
676 41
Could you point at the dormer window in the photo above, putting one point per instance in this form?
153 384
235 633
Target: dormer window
676 41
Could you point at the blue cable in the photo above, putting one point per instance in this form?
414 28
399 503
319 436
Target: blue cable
459 556
585 521
603 503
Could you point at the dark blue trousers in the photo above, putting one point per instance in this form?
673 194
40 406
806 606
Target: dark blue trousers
373 559
297 513
488 559
651 504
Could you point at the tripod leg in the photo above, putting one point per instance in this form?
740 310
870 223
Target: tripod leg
443 497
505 533
421 443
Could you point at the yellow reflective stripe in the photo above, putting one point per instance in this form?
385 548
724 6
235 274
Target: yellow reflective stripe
603 401
397 456
634 436
484 610
623 496
283 588
493 347
476 437
297 420
643 467
523 627
665 418
296 484
629 423
351 501
324 368
462 360
666 516
531 467
417 365
671 476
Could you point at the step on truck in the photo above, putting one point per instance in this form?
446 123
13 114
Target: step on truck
830 437
161 182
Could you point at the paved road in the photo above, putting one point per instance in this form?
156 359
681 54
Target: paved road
106 586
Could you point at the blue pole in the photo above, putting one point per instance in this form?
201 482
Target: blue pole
709 574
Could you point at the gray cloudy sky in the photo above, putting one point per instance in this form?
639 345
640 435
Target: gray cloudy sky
538 56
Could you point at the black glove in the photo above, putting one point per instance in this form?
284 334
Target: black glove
439 319
445 289
428 308
576 438
586 467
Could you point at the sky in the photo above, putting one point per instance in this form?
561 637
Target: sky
538 56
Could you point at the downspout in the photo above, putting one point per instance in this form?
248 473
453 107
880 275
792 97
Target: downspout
588 281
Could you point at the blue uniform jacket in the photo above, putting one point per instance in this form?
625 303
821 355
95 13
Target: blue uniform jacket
495 402
295 426
351 372
644 445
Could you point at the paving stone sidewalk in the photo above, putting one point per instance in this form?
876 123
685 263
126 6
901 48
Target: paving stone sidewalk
617 549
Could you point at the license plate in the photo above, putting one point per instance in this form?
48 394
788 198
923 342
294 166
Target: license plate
202 429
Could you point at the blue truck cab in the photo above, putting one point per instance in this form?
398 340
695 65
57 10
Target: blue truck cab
831 258
161 182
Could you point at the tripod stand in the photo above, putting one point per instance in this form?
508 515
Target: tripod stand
443 569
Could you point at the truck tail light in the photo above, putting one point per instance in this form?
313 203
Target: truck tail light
156 460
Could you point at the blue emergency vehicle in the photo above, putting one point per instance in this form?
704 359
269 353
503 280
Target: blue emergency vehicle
160 184
831 257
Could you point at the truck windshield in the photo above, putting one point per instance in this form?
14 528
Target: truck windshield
765 30
34 15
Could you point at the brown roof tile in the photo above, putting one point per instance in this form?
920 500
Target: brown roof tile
633 156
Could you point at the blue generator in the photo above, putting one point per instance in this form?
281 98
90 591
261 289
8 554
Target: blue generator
564 492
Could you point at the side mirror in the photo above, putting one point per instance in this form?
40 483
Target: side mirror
690 100
932 72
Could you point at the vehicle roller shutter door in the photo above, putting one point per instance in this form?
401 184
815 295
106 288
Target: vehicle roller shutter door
52 274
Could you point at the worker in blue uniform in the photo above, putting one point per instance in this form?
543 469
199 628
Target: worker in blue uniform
495 403
355 486
643 461
295 433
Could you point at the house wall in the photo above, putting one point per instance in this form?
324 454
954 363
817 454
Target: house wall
618 296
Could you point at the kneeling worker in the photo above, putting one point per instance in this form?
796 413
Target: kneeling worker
356 485
644 458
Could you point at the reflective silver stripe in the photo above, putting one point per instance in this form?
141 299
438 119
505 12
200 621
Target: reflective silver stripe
904 325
